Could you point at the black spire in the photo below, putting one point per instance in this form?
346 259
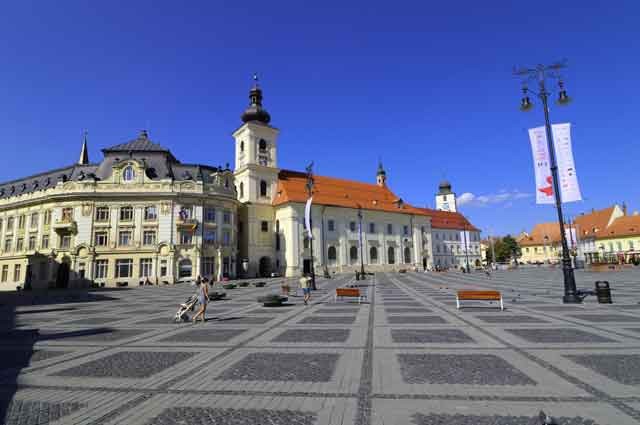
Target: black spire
381 171
255 111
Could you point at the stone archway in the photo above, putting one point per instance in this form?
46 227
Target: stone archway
264 267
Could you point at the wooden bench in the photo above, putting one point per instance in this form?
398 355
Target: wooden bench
349 292
479 296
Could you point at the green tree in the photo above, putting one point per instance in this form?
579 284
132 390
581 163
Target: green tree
506 248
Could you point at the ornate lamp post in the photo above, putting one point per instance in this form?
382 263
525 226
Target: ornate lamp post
361 248
466 248
540 73
309 187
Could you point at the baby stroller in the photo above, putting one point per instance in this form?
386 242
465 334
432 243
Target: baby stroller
188 305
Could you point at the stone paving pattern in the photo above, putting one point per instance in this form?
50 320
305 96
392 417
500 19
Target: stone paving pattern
99 358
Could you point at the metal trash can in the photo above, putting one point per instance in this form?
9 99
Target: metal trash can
603 292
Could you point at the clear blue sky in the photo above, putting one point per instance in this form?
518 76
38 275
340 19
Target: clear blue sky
427 86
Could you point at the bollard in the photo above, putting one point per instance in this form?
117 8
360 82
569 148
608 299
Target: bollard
603 292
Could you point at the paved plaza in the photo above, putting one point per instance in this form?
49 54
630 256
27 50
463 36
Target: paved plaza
406 356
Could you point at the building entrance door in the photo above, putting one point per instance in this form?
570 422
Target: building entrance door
306 266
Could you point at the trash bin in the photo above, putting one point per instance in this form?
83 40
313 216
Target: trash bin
603 292
357 276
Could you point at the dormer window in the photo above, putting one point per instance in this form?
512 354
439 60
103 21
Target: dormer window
128 174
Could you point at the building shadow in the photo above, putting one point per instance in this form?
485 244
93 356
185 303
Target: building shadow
19 333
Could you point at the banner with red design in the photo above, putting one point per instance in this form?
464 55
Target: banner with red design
569 188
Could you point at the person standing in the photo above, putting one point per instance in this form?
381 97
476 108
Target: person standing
305 285
203 299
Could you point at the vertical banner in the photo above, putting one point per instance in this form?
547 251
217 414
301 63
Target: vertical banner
307 217
541 165
567 178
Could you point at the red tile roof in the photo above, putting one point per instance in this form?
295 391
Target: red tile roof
352 194
622 226
594 223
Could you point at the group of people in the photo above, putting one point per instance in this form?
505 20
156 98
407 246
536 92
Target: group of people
203 293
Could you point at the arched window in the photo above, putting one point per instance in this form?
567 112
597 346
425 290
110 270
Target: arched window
184 268
128 174
262 145
391 255
242 146
241 189
373 255
263 188
332 254
407 255
353 254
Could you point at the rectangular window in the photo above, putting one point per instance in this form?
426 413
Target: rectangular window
389 229
163 268
102 214
65 242
9 224
47 217
21 221
186 238
226 217
126 213
150 213
185 213
226 237
7 245
146 267
352 226
45 242
264 226
101 269
32 243
124 268
331 225
208 266
149 237
210 215
5 273
210 237
372 227
101 238
67 215
33 221
19 244
16 272
124 238
405 230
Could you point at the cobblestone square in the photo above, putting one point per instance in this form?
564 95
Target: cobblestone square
330 363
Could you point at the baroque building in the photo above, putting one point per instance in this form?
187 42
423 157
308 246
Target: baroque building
139 215
142 216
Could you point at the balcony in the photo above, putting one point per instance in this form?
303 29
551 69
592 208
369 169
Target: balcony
65 225
187 224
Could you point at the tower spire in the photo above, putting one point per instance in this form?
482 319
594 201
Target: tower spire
255 111
381 175
84 152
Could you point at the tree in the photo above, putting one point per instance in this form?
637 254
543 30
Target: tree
506 248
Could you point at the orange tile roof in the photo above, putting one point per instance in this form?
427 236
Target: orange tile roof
586 224
622 226
340 193
541 230
448 220
352 194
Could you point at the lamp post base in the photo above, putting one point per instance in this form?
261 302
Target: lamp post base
571 299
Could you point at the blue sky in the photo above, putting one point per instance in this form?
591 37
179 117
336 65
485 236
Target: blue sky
426 86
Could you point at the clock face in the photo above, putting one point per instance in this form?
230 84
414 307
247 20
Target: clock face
445 206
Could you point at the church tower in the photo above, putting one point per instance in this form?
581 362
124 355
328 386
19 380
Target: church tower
445 198
381 175
256 168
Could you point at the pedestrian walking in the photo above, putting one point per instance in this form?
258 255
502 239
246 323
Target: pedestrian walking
305 285
203 299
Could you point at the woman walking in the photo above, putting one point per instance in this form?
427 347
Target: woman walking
203 299
306 290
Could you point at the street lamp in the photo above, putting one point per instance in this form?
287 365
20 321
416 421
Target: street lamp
361 249
540 73
466 248
309 187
